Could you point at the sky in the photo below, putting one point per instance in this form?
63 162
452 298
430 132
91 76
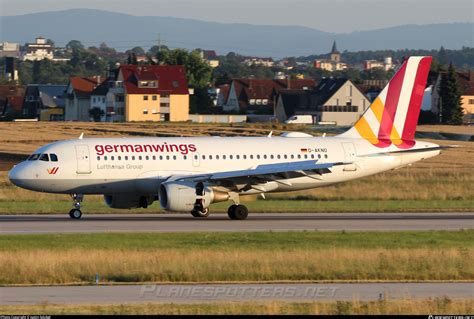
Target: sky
337 16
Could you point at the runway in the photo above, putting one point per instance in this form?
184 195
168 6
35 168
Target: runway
184 293
37 224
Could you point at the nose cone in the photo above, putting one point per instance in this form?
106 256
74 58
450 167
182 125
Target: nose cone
17 176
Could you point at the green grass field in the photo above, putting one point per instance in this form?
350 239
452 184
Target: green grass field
395 307
237 257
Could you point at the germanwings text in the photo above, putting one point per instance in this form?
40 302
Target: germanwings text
146 148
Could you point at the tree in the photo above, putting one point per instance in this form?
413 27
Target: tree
442 56
96 113
450 98
137 51
74 45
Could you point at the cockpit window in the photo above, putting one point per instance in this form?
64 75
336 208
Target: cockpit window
44 157
33 157
53 157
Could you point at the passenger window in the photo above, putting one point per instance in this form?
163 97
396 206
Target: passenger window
126 158
312 156
285 156
258 156
271 156
251 156
204 157
105 158
265 156
223 156
98 158
154 157
147 158
319 155
133 158
278 156
174 157
305 156
44 157
112 158
195 157
217 157
230 157
299 156
140 158
210 157
325 155
185 157
119 158
161 157
245 156
292 156
53 157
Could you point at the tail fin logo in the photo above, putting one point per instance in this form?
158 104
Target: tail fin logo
52 171
392 117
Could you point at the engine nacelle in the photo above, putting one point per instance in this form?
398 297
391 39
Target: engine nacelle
181 196
123 201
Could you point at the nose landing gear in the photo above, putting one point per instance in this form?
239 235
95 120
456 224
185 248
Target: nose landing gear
76 213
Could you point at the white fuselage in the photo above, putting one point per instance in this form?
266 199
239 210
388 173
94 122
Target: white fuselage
140 165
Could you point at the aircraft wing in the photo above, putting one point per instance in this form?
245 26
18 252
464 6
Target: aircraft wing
261 171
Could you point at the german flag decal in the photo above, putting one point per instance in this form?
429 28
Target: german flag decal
304 150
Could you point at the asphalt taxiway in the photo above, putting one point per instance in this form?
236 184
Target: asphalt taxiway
37 224
184 293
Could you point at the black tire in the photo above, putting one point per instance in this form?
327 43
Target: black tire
240 212
200 214
231 211
75 213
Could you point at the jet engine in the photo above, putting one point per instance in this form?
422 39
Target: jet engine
124 201
182 196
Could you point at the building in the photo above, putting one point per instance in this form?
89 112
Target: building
99 101
45 102
386 65
11 99
333 63
149 93
11 50
249 61
337 101
257 95
210 56
38 51
11 72
78 97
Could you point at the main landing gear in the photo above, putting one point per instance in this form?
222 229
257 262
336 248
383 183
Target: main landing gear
238 212
76 213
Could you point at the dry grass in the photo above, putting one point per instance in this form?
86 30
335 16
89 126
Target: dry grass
389 307
43 266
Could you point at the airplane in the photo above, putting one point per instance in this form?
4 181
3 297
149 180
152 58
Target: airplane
189 174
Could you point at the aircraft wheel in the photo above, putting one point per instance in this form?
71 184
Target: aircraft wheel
239 212
75 213
197 213
231 211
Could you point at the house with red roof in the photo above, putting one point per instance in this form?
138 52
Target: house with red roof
78 97
149 93
11 99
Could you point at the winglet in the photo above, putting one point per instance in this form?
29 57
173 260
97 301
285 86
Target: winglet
81 136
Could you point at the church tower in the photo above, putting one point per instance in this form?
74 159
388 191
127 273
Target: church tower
335 55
